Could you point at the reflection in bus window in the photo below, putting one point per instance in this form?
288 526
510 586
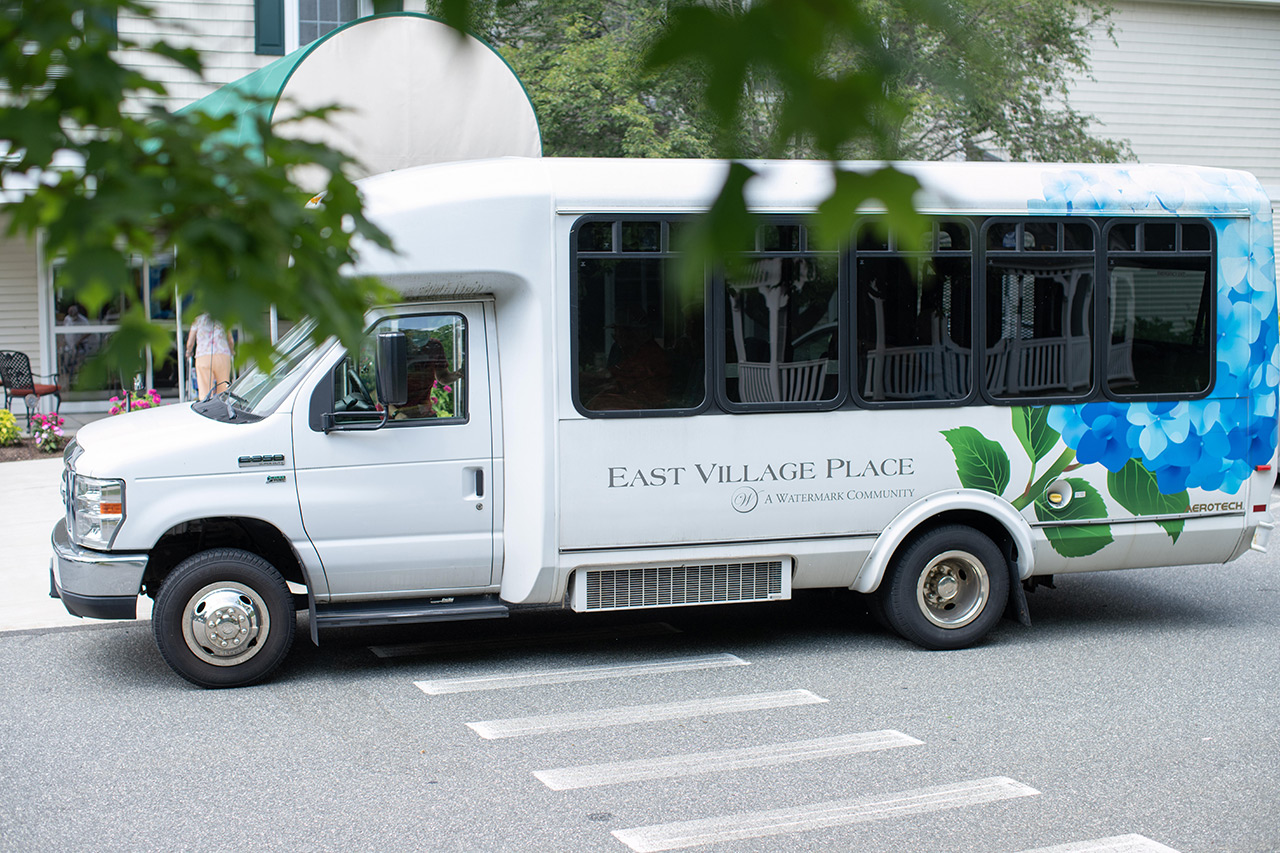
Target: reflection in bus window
782 319
639 335
1160 307
437 370
1039 304
915 317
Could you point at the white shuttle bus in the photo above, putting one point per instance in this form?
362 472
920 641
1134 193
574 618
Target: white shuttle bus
1076 371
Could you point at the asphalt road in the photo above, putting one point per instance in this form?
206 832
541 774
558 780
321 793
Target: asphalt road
1141 703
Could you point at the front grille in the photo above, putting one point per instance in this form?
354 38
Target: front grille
672 586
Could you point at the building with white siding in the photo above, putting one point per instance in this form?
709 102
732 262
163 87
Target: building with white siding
1191 82
1186 82
235 38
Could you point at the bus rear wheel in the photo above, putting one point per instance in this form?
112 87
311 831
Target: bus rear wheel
224 618
946 589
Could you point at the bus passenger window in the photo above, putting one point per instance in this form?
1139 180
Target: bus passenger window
1039 311
1161 300
639 338
914 316
782 322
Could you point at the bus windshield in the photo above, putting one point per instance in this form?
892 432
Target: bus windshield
259 391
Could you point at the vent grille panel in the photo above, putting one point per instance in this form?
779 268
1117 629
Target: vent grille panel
672 586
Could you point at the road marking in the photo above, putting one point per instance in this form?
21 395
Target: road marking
594 775
1115 844
583 673
691 833
633 714
521 641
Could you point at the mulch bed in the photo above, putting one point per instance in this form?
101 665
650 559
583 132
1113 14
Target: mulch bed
22 451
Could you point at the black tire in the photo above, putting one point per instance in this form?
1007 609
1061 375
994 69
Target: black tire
253 625
946 589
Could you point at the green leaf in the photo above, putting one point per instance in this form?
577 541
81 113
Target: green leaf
980 462
1031 426
1077 540
1135 488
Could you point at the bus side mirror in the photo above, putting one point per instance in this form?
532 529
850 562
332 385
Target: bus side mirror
393 368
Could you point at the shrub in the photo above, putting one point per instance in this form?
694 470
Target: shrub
9 433
47 431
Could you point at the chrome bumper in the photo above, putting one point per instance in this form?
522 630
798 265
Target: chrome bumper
96 584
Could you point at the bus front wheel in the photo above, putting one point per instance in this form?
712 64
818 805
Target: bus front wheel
946 589
224 618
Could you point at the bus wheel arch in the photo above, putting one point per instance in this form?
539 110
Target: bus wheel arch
945 588
993 518
224 618
202 534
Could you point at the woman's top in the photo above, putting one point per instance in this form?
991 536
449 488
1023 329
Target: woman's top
211 337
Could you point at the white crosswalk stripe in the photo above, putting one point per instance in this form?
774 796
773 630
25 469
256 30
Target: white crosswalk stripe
594 775
583 673
1115 844
692 833
634 714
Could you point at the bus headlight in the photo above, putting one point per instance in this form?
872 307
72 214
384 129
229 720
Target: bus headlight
97 509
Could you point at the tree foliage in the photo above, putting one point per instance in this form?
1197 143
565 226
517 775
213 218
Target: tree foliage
827 79
114 183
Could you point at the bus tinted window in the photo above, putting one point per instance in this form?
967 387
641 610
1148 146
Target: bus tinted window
782 335
914 315
1039 312
1161 309
639 336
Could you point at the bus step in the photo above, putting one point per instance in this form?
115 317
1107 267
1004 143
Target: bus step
406 612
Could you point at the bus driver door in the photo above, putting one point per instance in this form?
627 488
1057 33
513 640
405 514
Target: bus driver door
405 509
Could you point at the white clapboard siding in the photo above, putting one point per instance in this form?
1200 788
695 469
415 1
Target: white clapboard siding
222 31
1194 82
1191 83
19 299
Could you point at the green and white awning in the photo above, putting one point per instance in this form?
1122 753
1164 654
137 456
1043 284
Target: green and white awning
413 91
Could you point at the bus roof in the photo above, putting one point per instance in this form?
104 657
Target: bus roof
496 214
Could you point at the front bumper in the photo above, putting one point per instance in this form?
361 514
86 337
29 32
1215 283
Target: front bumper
94 584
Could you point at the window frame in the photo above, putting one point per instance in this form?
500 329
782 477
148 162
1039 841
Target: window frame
975 285
322 396
1098 307
1105 255
721 326
665 252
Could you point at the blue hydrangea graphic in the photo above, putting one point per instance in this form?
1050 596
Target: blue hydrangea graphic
1212 443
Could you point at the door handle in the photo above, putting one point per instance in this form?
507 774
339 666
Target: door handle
472 483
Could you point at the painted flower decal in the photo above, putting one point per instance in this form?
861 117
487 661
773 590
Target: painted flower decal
1212 443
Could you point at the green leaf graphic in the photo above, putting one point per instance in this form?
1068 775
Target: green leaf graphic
1084 539
1031 426
1135 488
980 462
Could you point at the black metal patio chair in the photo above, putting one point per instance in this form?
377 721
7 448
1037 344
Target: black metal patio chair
18 381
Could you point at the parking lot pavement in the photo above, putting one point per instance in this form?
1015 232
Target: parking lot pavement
30 505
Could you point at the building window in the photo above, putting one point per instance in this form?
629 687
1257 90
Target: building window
318 18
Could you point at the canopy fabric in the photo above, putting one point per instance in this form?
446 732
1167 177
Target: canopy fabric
411 92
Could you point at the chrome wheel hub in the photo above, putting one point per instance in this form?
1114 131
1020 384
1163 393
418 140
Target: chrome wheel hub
225 624
953 589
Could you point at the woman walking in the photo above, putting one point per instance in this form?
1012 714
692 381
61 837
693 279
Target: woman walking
212 347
